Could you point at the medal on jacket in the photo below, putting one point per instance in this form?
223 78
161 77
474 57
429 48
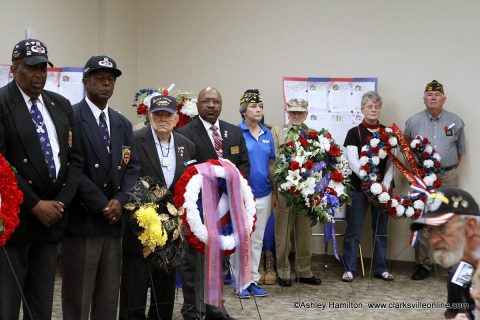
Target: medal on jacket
70 138
126 154
164 162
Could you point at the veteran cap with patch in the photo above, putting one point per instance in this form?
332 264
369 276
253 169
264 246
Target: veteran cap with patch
101 62
251 96
31 52
444 204
298 105
163 103
434 86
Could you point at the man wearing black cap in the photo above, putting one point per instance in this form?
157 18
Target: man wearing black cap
91 249
445 130
452 224
163 155
38 138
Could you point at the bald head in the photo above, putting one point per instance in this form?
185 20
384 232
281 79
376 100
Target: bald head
209 104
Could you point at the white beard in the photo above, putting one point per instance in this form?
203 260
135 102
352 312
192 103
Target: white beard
450 256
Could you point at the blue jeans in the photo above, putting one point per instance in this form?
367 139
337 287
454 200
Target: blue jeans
355 217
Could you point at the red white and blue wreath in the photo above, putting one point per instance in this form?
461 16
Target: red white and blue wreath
423 160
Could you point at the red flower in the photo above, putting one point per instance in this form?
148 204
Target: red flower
293 190
445 128
417 214
337 176
422 197
437 183
366 167
328 136
331 191
381 130
437 164
142 109
334 150
165 92
294 165
368 184
425 141
384 136
374 150
363 154
368 138
407 202
290 144
425 154
312 134
308 165
392 211
303 142
388 148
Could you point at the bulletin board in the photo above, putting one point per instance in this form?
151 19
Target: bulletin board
333 103
66 81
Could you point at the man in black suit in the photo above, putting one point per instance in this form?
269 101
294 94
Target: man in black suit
38 138
91 249
163 155
213 139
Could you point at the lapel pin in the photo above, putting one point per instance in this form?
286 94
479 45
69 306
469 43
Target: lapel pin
225 134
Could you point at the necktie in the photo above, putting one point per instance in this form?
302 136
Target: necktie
37 119
104 130
217 141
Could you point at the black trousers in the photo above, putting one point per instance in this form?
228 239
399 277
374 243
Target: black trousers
137 276
34 266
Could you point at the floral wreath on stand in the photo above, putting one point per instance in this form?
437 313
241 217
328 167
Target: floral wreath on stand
312 174
188 195
157 224
422 180
186 103
11 197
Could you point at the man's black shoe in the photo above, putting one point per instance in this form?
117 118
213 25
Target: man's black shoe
420 273
225 317
284 282
312 280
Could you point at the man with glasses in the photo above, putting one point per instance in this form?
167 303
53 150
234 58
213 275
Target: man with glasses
445 130
213 139
451 222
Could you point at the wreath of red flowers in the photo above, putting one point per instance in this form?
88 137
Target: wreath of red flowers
179 199
10 199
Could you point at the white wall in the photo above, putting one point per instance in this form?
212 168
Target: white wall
235 45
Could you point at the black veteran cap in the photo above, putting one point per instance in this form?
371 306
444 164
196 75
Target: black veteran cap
443 204
251 95
163 103
101 62
31 52
434 86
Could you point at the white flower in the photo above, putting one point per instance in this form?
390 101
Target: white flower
190 108
430 179
419 204
363 161
414 143
388 129
409 212
374 142
437 157
393 141
338 187
383 197
365 148
375 160
373 176
394 203
362 174
428 148
382 153
376 188
324 143
400 210
428 163
309 186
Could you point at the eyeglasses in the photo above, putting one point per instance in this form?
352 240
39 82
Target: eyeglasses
213 101
440 230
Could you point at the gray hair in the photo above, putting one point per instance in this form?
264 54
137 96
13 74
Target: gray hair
372 96
243 108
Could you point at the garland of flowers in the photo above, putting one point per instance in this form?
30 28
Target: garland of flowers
10 200
186 104
423 180
187 192
313 174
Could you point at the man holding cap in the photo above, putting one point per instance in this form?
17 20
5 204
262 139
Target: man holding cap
286 220
451 222
91 250
445 130
163 155
38 138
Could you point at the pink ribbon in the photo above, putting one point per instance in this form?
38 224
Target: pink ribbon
242 256
213 254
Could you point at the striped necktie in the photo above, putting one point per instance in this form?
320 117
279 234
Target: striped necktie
102 124
217 141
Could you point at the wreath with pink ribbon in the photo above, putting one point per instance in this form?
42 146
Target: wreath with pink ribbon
419 154
218 216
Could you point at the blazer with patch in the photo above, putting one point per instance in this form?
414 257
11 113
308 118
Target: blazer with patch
150 166
21 147
105 175
234 146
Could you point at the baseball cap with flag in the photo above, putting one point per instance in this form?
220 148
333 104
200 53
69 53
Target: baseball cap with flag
444 204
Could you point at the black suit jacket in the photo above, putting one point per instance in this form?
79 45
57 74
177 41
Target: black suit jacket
150 166
234 147
20 145
105 176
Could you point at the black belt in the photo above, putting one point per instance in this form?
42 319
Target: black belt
449 168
